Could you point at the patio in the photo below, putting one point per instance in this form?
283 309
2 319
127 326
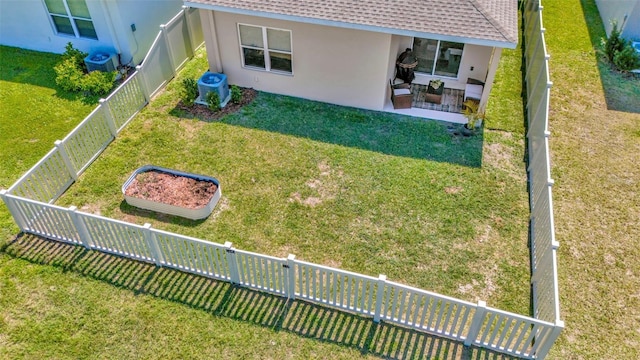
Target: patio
449 110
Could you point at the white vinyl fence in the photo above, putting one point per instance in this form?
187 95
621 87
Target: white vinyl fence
471 323
30 200
174 45
544 265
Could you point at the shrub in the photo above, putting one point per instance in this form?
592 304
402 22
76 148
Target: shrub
614 44
626 59
76 56
236 94
98 82
189 91
213 100
69 75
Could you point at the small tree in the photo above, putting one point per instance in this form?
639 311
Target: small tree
471 110
614 44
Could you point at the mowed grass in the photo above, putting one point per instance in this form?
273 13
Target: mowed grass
34 113
595 143
359 190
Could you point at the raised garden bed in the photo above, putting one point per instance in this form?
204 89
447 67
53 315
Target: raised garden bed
172 192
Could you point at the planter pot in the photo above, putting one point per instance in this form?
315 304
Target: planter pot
189 213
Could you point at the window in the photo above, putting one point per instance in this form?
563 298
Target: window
436 57
71 17
265 48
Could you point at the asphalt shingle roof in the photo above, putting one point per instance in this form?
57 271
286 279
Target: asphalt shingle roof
489 20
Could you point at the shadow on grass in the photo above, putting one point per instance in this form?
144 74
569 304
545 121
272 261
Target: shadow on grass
386 133
261 309
621 90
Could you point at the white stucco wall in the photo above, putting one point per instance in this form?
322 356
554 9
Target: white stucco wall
147 17
26 24
334 65
617 10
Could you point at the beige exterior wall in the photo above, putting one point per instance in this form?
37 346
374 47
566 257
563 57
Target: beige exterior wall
334 65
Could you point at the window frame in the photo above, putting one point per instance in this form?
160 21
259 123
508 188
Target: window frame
72 20
435 60
266 51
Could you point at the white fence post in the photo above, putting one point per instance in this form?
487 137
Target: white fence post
67 161
17 215
152 243
85 236
550 340
476 323
142 81
167 43
231 262
113 129
382 279
291 276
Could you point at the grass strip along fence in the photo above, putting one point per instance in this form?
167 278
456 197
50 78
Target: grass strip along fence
30 201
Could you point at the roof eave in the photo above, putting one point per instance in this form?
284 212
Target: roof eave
460 39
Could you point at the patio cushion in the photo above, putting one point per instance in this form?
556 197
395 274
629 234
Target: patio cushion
397 92
472 91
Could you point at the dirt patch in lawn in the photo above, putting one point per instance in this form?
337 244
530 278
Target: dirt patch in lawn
171 189
203 112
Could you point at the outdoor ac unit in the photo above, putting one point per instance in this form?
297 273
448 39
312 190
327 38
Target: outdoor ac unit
213 82
101 61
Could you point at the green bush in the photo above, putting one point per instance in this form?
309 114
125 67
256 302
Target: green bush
76 56
626 59
98 82
71 74
189 91
213 100
236 94
614 44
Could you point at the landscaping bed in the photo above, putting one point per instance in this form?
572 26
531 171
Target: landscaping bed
172 192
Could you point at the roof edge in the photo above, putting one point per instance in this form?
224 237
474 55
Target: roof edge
492 20
380 29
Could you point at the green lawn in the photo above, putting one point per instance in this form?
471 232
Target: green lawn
359 190
363 191
595 142
33 114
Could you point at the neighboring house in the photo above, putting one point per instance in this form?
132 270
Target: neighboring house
124 27
344 52
625 12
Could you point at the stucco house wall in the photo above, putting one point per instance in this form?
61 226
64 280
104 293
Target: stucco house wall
625 12
27 24
335 65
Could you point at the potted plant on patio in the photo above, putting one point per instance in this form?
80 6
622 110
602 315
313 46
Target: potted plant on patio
471 110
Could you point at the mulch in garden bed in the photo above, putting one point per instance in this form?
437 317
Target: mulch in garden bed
203 112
